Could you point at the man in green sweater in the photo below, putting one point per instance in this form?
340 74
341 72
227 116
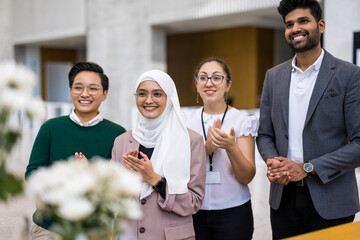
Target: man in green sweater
84 131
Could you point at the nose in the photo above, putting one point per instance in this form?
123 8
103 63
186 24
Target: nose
85 92
296 27
148 99
208 82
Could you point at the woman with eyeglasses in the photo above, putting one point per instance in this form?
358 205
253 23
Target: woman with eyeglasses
169 157
228 134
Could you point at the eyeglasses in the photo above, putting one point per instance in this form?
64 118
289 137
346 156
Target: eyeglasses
91 90
215 79
156 96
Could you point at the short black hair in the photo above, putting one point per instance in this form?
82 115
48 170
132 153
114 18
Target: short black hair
287 6
88 67
223 64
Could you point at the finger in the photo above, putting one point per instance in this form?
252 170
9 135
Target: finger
275 170
77 155
220 133
134 153
131 165
134 161
215 144
232 132
272 178
215 123
209 129
280 158
146 158
283 181
218 123
277 164
215 134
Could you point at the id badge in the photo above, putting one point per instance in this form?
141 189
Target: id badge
213 177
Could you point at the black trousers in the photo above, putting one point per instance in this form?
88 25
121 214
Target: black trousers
297 214
228 224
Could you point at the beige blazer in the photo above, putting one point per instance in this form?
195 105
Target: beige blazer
169 219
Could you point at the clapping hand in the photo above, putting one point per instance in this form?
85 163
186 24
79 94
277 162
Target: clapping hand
221 139
142 166
209 146
81 157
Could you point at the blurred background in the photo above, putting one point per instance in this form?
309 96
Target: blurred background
128 37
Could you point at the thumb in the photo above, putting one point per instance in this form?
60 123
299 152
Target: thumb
232 132
208 131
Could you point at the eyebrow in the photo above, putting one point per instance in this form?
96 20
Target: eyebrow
92 84
298 19
212 73
159 89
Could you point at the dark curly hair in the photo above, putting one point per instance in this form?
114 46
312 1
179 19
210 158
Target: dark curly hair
287 6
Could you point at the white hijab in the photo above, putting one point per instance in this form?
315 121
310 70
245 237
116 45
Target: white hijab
169 137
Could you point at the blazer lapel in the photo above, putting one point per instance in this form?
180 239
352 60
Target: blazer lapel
284 90
132 143
325 74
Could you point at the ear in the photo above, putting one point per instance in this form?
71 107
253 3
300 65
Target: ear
321 25
105 95
228 86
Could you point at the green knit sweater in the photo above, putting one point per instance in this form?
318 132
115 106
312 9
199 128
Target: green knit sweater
59 138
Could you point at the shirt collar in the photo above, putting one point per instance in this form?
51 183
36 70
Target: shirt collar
315 66
90 123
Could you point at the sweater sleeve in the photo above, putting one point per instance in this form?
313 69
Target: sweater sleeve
40 153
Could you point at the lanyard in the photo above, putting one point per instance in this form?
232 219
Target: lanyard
203 127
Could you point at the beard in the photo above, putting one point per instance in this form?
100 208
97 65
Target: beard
311 42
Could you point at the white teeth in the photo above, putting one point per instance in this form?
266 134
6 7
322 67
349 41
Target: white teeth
298 37
150 108
86 102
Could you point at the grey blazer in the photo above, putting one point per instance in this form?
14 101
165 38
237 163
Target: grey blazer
170 218
331 135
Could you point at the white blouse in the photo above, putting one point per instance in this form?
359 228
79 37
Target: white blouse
229 193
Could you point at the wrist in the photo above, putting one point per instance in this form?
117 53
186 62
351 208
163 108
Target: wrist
159 185
232 147
155 180
308 169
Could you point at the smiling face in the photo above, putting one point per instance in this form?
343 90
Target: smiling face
86 105
209 92
150 99
302 31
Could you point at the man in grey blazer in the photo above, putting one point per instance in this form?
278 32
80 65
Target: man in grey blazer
309 131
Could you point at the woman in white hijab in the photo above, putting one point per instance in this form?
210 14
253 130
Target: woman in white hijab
170 158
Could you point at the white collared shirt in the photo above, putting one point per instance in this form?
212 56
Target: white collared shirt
230 192
301 87
90 123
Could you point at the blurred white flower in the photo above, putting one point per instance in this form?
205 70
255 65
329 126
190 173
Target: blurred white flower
16 76
132 211
91 193
16 83
75 209
126 182
35 108
12 100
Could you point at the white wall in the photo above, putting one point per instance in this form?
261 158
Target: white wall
342 18
6 49
41 20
